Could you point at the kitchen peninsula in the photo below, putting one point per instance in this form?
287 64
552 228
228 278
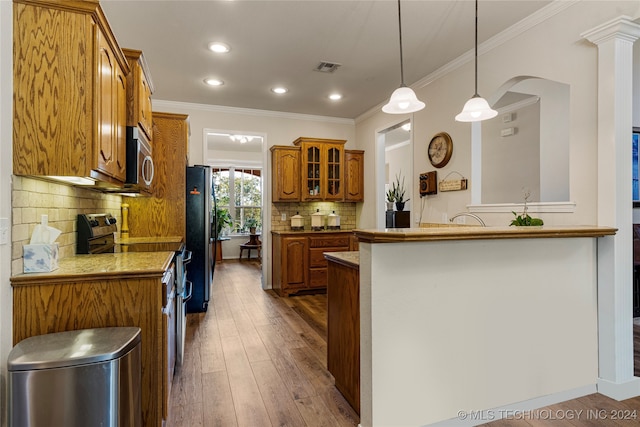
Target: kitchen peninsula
462 319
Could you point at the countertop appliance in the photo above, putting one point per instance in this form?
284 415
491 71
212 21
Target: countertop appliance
95 233
200 221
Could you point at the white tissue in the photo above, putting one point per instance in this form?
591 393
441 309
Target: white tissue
43 234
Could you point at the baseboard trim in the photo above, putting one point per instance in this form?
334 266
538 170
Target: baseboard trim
619 391
488 415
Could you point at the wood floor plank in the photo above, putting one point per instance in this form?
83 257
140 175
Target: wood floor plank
315 412
281 408
218 409
250 409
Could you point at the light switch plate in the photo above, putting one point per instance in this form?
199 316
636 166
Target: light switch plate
4 231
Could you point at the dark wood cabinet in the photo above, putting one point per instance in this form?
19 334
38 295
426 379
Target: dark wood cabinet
299 263
343 329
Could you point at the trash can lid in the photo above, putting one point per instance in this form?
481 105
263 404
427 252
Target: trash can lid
72 348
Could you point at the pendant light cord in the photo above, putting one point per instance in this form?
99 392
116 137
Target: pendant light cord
476 54
400 37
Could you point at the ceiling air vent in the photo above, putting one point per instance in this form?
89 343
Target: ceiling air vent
326 67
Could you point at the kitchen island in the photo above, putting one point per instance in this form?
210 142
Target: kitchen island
103 290
460 320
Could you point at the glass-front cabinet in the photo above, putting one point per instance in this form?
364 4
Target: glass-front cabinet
322 167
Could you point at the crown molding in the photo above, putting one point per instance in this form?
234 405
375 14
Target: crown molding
499 39
164 104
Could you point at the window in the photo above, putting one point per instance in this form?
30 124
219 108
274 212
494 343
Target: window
239 191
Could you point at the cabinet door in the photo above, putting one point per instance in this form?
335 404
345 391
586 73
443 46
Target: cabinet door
120 124
285 163
146 105
106 125
333 178
312 172
294 263
354 176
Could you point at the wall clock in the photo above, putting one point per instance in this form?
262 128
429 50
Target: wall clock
440 149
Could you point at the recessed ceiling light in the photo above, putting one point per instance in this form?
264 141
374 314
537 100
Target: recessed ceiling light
279 90
219 47
335 97
213 81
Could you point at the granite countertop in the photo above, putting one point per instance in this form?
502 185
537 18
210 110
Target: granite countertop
350 258
396 235
79 267
309 231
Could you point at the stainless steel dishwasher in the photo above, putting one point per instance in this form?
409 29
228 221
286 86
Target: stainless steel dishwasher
88 377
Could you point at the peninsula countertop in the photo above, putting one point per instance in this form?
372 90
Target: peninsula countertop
111 265
396 235
347 258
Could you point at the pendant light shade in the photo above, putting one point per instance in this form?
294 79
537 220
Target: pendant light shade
403 100
477 108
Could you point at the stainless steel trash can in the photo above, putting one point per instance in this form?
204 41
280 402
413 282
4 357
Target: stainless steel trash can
88 377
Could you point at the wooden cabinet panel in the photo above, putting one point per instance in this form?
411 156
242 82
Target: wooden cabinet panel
285 162
139 91
343 330
294 261
163 214
71 305
66 107
329 240
354 176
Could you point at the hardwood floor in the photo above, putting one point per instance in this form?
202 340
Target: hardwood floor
255 359
258 360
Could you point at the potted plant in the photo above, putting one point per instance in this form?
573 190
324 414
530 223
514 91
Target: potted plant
391 197
251 224
223 219
399 191
525 220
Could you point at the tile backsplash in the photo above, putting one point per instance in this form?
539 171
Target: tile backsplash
32 198
347 212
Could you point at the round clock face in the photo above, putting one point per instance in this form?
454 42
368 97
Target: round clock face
440 149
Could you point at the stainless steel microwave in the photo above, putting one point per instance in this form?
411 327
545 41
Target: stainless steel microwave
140 168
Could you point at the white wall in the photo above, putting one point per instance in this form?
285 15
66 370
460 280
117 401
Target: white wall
278 128
551 49
6 99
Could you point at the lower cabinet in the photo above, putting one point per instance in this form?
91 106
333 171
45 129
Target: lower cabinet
72 303
298 261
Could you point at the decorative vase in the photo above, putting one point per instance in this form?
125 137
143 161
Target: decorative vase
389 206
252 230
400 206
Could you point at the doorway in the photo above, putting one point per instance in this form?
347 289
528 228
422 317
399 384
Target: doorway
394 154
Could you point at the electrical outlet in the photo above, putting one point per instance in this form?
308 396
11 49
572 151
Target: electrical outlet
4 231
283 217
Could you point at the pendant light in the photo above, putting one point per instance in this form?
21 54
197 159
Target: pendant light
403 100
477 108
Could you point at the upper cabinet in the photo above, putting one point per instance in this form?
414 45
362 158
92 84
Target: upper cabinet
285 163
322 168
139 91
354 175
316 169
69 92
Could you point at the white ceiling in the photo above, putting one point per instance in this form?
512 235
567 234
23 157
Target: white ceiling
280 43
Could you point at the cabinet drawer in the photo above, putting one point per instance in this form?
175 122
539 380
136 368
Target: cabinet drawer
329 241
318 278
316 256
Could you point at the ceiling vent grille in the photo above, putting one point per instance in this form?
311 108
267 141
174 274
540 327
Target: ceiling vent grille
326 67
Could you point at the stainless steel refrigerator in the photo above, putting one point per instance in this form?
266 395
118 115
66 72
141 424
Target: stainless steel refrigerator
200 203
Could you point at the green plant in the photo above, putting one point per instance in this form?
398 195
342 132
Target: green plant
223 219
525 220
250 222
391 196
398 190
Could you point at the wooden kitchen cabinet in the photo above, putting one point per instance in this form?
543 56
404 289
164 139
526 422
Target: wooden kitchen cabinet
69 92
285 164
321 168
106 290
298 260
139 91
163 214
354 175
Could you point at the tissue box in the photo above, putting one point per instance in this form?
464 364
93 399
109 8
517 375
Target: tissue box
40 258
